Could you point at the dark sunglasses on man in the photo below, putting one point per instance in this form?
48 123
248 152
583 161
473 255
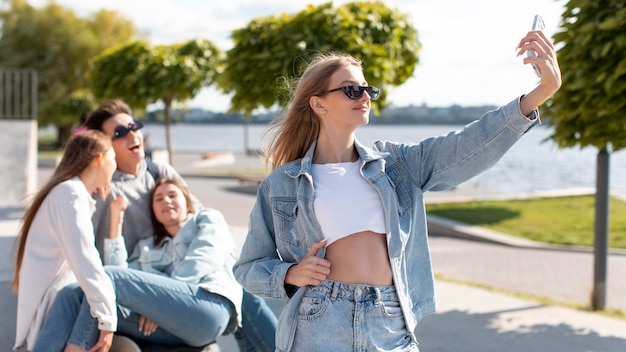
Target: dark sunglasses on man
355 92
121 131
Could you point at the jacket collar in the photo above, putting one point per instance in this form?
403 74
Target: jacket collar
303 166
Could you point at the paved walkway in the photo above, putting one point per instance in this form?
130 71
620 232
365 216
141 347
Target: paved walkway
469 318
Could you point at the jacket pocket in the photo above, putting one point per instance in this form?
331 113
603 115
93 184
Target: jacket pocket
285 211
154 260
312 305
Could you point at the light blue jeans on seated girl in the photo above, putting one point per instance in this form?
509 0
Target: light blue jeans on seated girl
340 317
185 313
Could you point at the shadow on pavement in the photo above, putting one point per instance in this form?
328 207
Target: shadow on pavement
448 331
8 307
461 331
7 258
247 189
11 212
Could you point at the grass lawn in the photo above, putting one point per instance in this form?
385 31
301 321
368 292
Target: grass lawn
48 154
558 220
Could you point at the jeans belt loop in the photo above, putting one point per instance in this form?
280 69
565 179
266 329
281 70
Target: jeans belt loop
335 292
379 297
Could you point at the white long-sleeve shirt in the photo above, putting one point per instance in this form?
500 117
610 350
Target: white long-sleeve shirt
60 249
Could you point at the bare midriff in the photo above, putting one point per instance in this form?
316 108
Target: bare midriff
360 258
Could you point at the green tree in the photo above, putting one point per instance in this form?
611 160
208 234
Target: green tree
271 48
141 74
77 104
58 44
589 108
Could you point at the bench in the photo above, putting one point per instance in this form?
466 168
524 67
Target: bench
148 347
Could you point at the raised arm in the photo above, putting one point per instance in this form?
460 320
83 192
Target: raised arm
548 65
115 252
118 207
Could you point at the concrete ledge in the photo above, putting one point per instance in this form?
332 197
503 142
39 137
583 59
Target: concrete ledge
451 228
458 229
18 160
466 196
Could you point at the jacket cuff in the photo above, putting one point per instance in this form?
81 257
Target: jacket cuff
534 115
107 323
516 120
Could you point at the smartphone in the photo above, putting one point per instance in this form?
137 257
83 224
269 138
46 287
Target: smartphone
538 25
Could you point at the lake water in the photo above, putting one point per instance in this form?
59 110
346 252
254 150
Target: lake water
531 165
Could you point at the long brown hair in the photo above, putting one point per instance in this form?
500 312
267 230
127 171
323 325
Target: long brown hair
79 152
298 127
160 233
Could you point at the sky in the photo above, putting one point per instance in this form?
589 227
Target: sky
468 54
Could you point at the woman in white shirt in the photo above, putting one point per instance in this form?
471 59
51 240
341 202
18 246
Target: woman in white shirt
56 247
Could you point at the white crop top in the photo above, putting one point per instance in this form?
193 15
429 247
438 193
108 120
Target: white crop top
345 203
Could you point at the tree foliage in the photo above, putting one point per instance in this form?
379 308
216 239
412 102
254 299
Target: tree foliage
58 45
76 105
271 48
141 74
590 109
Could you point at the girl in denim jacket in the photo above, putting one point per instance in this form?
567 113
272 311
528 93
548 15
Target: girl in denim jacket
176 288
339 229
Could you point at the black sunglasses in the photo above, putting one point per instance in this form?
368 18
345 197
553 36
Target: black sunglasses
121 131
355 92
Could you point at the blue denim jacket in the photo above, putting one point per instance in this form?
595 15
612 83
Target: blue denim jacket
202 253
283 226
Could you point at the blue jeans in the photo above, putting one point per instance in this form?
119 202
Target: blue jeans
184 313
342 317
259 325
69 319
61 320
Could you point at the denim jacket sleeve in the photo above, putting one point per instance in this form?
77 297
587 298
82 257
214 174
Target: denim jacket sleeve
440 163
115 252
259 269
202 246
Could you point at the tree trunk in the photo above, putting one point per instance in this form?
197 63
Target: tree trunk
601 239
63 135
246 134
168 134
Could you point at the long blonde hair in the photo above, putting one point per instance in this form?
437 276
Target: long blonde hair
79 152
298 127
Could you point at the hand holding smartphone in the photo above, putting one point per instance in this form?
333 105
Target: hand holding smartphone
538 25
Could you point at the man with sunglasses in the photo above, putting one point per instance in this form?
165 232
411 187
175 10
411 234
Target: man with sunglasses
132 178
135 178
